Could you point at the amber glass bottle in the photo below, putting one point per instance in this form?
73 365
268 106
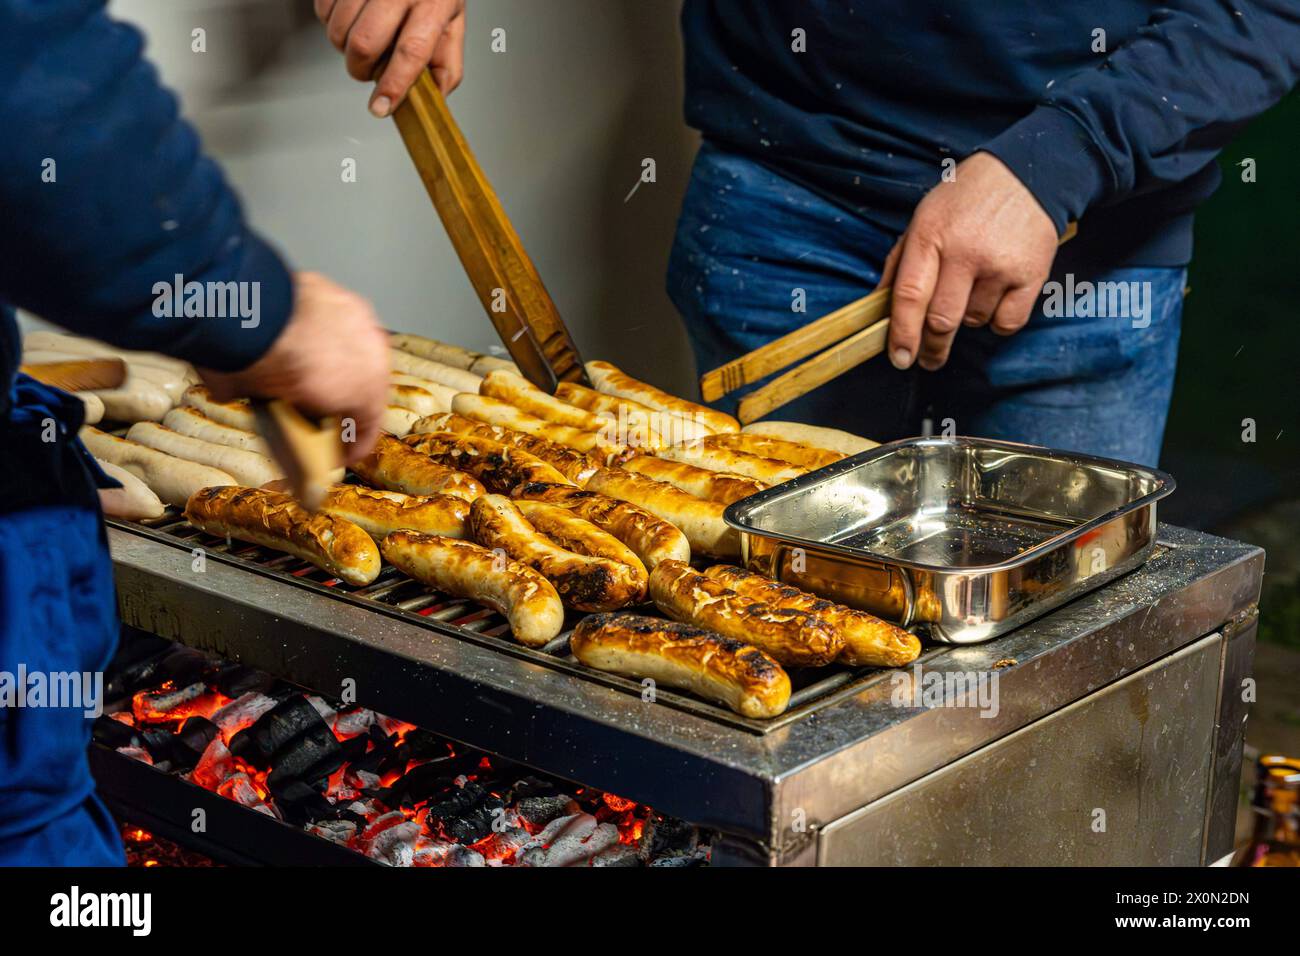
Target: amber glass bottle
1276 840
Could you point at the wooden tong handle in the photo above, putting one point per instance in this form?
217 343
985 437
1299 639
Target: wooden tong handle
806 340
500 270
311 453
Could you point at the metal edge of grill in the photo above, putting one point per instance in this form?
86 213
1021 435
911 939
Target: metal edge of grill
473 622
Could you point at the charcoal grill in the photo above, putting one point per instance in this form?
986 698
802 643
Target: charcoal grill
850 773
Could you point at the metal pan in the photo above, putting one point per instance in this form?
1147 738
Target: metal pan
967 536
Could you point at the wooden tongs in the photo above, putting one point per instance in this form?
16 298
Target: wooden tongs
850 336
500 270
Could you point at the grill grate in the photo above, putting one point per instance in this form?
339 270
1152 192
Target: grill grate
395 594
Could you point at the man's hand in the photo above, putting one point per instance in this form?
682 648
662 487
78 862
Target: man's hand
420 34
330 360
977 252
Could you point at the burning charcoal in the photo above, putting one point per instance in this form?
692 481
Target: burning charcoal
393 727
439 853
240 788
534 787
159 704
214 766
395 845
539 811
424 745
466 814
664 836
310 757
300 803
351 723
568 841
189 744
354 748
236 680
363 780
424 782
158 742
336 831
502 846
620 854
287 720
242 712
136 753
114 733
685 860
327 713
183 665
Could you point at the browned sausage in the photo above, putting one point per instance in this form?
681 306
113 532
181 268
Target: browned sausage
649 536
710 485
794 638
805 456
464 569
498 466
584 582
276 521
379 513
396 466
701 521
678 655
868 641
573 464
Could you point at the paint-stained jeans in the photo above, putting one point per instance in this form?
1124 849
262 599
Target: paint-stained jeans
750 243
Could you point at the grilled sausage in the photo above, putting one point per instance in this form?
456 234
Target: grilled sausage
494 411
276 521
247 467
814 435
397 420
442 394
701 521
707 453
584 582
498 466
613 381
172 479
679 655
379 513
796 453
456 378
794 638
572 464
394 466
629 422
710 485
575 533
466 570
134 501
236 414
416 399
650 537
190 421
527 397
868 641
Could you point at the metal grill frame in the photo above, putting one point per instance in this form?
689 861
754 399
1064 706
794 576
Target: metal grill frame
485 626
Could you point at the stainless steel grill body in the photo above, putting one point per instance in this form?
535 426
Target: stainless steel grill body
792 791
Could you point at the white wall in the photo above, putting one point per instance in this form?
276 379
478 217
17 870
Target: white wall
560 124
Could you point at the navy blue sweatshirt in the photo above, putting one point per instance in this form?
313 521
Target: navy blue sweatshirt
105 192
1122 139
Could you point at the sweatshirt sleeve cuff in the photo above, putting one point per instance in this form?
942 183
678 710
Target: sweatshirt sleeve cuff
1057 160
254 305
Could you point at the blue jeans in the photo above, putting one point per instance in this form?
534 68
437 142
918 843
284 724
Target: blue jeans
749 240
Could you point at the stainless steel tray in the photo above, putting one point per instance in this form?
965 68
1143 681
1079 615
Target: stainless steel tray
967 536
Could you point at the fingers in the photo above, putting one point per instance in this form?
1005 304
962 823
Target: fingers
449 55
412 53
372 35
1014 309
944 314
323 9
890 268
914 282
341 18
984 299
